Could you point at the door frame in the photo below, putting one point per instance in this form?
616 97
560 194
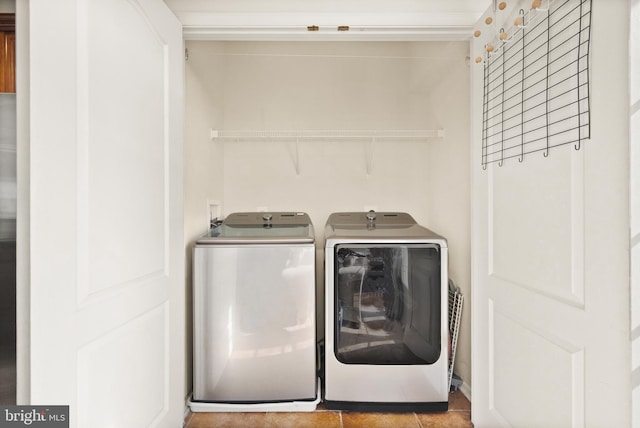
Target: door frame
23 222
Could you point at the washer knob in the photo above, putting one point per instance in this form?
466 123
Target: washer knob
371 215
267 217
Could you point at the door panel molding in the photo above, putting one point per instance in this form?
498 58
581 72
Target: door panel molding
113 310
565 358
141 346
106 134
570 291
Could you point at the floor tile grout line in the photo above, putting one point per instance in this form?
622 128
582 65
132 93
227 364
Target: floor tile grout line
418 420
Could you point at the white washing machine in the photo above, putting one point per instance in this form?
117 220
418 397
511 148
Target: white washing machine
386 329
254 325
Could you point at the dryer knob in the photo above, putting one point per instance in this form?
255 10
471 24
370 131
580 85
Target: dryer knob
371 216
267 217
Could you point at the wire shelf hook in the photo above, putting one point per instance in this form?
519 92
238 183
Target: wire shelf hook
503 36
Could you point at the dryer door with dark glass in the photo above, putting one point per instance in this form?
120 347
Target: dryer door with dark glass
388 303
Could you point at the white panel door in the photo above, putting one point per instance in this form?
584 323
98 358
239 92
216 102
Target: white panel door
107 269
550 290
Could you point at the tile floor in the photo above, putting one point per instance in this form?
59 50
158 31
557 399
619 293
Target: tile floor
458 416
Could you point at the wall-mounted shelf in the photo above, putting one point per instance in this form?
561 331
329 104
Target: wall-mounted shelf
320 135
370 136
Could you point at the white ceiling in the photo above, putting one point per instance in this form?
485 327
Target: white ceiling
289 19
476 7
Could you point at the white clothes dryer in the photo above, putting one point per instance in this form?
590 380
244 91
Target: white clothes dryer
386 329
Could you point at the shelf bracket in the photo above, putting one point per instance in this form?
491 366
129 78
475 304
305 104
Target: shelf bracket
297 156
369 155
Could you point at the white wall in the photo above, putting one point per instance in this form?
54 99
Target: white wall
449 187
203 171
634 101
335 86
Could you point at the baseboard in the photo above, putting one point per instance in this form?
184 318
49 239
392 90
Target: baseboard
466 390
187 410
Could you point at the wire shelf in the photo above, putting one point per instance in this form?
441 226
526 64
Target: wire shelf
536 84
326 134
370 137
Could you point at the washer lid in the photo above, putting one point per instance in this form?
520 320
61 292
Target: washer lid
389 219
261 228
377 226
